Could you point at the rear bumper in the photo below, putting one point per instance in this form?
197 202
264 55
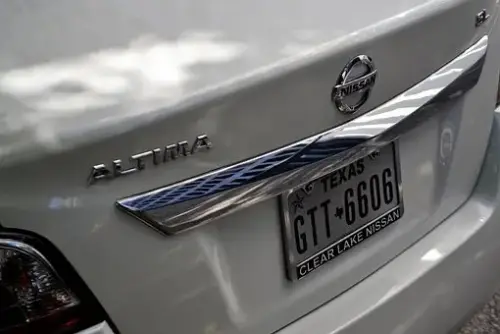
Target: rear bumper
437 282
101 328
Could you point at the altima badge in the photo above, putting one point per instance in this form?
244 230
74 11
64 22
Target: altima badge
137 162
354 84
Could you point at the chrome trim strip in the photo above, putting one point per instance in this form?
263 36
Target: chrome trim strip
179 207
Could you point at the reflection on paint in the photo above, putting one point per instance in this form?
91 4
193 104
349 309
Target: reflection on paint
218 263
74 96
58 203
432 255
149 68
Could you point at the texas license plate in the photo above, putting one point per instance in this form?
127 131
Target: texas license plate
337 212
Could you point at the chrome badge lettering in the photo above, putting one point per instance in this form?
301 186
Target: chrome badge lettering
156 156
354 84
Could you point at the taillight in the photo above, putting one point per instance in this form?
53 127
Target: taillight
39 291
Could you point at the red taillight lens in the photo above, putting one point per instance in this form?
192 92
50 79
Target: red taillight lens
29 287
40 294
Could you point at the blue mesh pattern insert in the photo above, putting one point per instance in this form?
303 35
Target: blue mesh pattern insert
268 165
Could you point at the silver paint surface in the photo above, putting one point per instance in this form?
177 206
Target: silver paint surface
83 79
83 71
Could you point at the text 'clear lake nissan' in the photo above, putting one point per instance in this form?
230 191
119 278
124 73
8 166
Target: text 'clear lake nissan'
248 167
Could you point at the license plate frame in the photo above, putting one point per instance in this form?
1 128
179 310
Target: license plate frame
293 260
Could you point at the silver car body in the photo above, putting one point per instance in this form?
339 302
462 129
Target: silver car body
89 82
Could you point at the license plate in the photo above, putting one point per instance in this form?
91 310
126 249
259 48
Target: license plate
332 214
